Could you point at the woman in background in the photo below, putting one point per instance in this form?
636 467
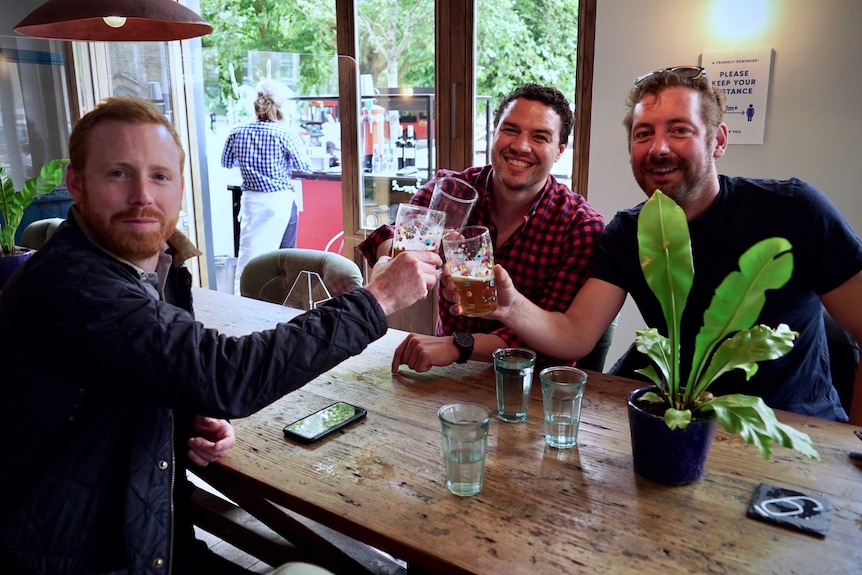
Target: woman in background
267 152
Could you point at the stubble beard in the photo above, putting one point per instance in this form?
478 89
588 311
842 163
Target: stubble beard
689 190
527 182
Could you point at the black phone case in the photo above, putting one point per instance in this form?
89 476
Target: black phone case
360 413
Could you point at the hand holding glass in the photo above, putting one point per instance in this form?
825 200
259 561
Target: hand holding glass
455 197
470 257
417 228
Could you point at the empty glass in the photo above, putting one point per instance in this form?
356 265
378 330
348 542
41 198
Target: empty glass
455 197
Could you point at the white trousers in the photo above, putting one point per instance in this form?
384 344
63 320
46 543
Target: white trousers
262 220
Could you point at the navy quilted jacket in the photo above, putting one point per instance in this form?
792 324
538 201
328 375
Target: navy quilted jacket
94 374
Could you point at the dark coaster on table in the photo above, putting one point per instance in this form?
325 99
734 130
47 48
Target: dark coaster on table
794 509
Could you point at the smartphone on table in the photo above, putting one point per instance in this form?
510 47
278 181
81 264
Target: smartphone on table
323 422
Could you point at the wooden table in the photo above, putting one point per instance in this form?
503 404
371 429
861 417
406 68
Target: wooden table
541 510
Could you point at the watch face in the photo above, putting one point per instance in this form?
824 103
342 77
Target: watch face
463 339
464 342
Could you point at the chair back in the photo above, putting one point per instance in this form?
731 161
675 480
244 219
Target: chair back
298 278
37 233
843 359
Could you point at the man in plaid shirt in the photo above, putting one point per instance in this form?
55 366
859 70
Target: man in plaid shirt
543 233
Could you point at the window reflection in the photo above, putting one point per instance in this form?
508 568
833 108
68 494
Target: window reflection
33 105
34 118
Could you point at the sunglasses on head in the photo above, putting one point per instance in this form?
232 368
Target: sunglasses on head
688 72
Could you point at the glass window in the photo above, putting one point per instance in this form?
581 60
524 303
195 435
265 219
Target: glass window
514 44
296 42
35 121
34 117
312 112
397 92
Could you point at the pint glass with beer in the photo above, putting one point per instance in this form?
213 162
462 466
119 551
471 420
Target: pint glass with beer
470 257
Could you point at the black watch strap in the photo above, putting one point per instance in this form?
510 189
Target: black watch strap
464 342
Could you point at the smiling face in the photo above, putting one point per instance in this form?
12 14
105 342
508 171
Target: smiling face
130 189
671 148
526 145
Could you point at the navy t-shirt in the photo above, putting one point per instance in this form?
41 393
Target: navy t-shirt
826 253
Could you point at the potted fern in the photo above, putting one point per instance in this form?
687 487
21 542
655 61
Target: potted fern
12 206
679 407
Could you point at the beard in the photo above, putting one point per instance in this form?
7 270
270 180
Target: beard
688 191
130 245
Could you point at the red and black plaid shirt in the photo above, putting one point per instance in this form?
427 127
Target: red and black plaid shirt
549 257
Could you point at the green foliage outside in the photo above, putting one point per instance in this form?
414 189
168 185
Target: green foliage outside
516 42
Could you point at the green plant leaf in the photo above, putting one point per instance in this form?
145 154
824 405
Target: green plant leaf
676 418
664 248
755 421
746 347
738 300
650 373
13 204
651 397
6 198
656 347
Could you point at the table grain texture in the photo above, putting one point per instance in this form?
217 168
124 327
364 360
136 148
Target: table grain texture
541 510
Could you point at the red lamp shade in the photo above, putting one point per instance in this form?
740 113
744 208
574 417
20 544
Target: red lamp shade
130 21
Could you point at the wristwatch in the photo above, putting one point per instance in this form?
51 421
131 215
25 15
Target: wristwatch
463 340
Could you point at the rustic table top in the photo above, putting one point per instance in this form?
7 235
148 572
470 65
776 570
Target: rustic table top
541 510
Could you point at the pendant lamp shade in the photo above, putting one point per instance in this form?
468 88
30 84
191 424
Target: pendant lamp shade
113 21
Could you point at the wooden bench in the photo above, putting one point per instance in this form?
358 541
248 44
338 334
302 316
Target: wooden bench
285 536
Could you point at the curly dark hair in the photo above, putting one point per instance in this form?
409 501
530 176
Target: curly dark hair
548 96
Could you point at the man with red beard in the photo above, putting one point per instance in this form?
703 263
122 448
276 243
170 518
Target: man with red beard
111 387
542 231
675 136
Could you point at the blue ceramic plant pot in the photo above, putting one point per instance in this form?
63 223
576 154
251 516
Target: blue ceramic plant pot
10 263
663 455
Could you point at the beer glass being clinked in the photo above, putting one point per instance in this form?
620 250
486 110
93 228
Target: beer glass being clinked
470 257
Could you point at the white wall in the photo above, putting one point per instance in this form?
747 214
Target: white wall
814 116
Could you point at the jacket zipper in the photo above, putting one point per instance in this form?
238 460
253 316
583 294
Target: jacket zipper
173 479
